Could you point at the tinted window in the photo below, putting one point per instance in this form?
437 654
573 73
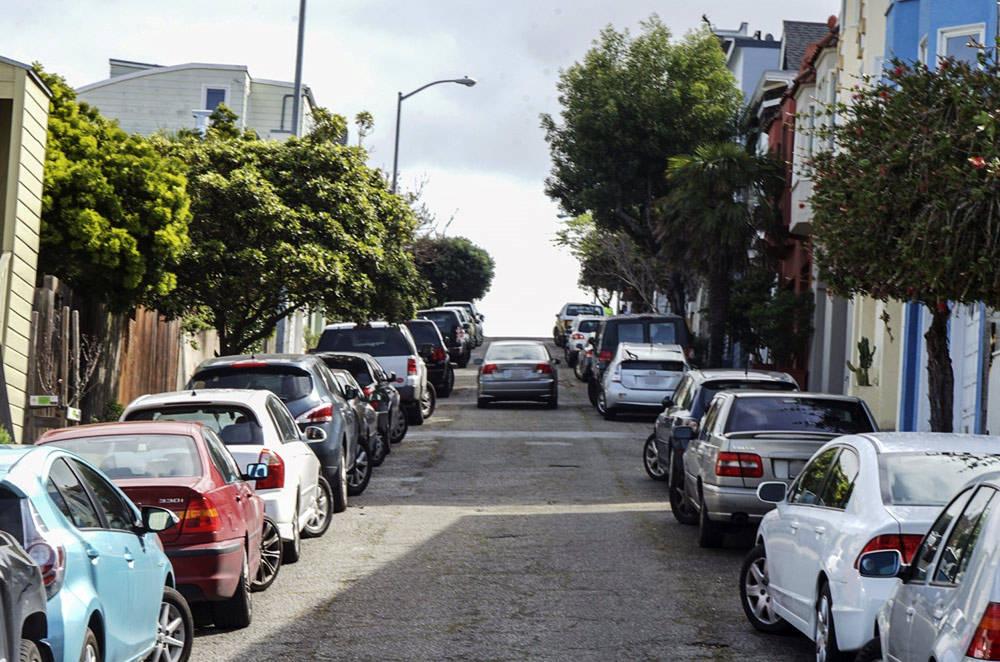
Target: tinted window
377 341
287 382
138 455
664 333
355 365
809 486
118 514
962 541
709 423
683 393
70 497
287 428
709 389
929 479
670 366
924 555
583 309
641 330
630 332
445 320
799 414
234 425
10 515
589 326
516 353
424 333
840 484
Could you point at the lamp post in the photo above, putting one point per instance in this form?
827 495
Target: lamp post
465 80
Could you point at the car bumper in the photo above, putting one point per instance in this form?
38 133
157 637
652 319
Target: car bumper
279 505
856 603
407 393
328 454
732 503
517 390
618 396
207 572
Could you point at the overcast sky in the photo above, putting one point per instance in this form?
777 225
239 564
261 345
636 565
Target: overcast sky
479 150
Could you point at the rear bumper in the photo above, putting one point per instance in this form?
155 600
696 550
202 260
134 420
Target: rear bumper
517 390
856 603
207 572
407 393
725 502
619 396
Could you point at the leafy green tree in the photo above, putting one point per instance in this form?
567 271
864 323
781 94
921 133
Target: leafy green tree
114 210
630 105
455 268
906 204
278 227
764 316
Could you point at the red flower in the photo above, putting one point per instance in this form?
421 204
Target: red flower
898 71
884 94
802 205
855 97
883 170
977 162
858 131
942 306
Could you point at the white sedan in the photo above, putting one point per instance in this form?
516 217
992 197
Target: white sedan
857 494
256 427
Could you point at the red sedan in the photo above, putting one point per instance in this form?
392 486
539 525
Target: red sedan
216 548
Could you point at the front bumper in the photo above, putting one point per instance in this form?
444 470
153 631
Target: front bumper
207 572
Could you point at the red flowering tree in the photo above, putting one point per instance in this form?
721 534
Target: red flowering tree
907 203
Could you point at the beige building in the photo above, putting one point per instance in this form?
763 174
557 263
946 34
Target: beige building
24 113
146 98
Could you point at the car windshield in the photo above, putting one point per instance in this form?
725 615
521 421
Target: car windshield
575 309
929 479
589 326
138 455
234 424
377 341
424 333
751 414
516 353
445 320
287 382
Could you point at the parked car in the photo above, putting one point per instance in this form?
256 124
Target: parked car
858 494
394 349
308 390
583 329
257 428
947 606
564 319
468 324
23 622
449 322
517 370
662 454
372 443
639 377
656 329
584 362
216 548
434 352
110 586
749 437
377 386
477 317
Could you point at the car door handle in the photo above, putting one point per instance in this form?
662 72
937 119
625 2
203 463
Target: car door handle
909 614
820 530
93 554
794 526
939 612
128 558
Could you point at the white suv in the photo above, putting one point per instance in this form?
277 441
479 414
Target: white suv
256 427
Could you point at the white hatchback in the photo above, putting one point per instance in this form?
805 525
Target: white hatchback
857 494
256 427
640 376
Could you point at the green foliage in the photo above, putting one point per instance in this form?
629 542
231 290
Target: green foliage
114 211
455 268
865 355
113 411
767 317
278 227
5 437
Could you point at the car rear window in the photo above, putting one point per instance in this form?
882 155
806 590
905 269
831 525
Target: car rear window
798 414
138 455
516 353
664 331
672 366
445 320
424 333
355 365
235 425
377 341
709 389
929 479
583 309
287 382
589 326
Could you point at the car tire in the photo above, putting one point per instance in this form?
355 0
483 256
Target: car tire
358 477
270 556
322 511
398 432
414 414
173 607
428 402
579 372
464 359
236 612
593 390
29 652
681 508
380 448
650 460
825 634
607 412
339 487
553 402
449 384
755 595
709 532
870 652
291 549
482 403
92 649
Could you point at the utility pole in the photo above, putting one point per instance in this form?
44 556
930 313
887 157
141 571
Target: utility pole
298 68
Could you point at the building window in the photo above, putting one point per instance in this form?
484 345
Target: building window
213 96
961 41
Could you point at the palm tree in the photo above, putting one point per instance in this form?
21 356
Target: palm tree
717 199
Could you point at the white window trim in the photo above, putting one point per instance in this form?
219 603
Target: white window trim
977 30
204 94
922 51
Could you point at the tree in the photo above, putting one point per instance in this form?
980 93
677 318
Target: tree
630 105
456 268
720 194
115 211
764 316
279 227
906 204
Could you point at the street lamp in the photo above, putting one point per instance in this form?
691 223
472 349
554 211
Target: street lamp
465 80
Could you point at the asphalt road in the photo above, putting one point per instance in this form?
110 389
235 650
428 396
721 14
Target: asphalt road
509 533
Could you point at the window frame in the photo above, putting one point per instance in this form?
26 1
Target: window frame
90 497
793 492
224 455
205 87
75 466
829 475
275 411
945 539
963 498
976 30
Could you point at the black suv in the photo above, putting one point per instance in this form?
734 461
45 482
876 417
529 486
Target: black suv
660 329
377 386
449 323
435 354
23 622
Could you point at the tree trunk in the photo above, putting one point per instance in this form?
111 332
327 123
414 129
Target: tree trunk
677 294
940 378
718 310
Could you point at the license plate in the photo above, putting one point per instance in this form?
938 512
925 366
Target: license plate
518 374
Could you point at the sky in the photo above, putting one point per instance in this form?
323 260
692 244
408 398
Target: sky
478 153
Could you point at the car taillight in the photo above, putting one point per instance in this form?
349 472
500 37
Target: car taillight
248 364
985 644
411 366
604 356
489 368
374 404
51 560
577 336
368 390
739 465
543 368
438 354
616 376
321 414
689 352
906 544
201 517
459 333
275 471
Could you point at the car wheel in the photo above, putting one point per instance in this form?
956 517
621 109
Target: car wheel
358 477
380 448
825 635
399 428
428 402
571 359
339 487
755 593
682 509
553 402
578 371
270 556
464 359
237 611
709 532
593 390
29 651
870 652
174 629
414 414
91 651
291 548
482 403
607 412
650 459
319 522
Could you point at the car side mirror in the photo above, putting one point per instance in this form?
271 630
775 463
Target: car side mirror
482 318
158 519
883 563
255 471
477 362
772 492
350 393
683 433
667 402
314 433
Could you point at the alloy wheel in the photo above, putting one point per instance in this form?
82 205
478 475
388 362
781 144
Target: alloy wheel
357 475
321 511
170 635
651 459
270 556
758 596
822 628
90 652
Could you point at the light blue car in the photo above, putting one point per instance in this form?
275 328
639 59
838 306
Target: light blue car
109 584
